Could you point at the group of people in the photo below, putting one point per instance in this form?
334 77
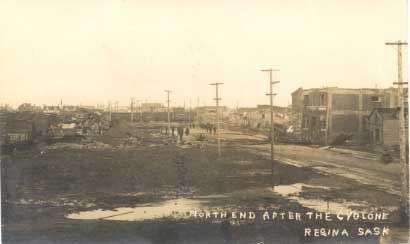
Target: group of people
179 130
210 128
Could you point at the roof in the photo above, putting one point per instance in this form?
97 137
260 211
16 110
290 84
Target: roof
19 125
387 113
247 109
340 89
152 105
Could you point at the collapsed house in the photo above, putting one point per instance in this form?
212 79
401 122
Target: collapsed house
19 132
18 128
331 115
15 131
259 117
23 128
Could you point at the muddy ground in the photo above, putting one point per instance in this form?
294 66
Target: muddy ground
129 167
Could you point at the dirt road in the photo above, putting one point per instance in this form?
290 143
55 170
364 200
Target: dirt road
359 166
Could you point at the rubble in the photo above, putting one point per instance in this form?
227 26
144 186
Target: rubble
130 142
76 146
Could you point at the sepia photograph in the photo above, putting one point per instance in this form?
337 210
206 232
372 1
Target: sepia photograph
231 121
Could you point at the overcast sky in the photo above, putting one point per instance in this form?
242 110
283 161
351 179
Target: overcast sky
92 51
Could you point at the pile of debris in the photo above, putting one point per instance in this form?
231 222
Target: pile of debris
77 146
130 142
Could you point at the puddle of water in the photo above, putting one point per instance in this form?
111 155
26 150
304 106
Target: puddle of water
178 208
255 172
292 192
212 196
59 202
136 194
286 190
244 162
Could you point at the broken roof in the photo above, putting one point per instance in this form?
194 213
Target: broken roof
387 113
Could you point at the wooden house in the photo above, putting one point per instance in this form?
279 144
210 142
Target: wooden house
384 126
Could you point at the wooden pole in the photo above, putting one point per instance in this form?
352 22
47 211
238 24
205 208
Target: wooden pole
169 121
272 123
402 133
217 99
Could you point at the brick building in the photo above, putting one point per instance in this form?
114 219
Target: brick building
322 115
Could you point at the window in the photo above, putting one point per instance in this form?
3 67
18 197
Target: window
306 100
365 122
322 100
375 99
378 136
313 122
323 123
306 122
395 115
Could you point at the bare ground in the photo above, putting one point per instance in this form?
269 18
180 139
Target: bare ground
40 189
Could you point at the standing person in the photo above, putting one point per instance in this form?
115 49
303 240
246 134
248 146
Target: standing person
180 133
187 131
173 130
214 129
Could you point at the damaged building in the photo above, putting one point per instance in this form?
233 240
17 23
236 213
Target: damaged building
384 126
259 116
330 115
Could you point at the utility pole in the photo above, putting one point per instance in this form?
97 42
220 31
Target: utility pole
109 110
184 114
197 113
217 99
272 124
189 114
402 133
140 108
132 110
116 106
169 121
